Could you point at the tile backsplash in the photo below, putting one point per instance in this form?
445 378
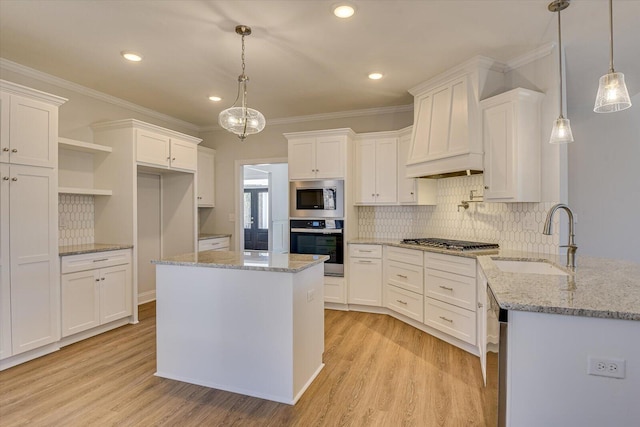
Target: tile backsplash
515 226
75 219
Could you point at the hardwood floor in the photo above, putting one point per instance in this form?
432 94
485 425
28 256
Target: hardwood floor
378 372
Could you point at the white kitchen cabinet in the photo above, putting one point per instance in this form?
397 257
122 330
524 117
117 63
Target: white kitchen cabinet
206 177
165 151
335 290
404 281
412 191
30 292
214 244
450 295
365 275
318 154
29 126
96 290
376 169
481 319
512 138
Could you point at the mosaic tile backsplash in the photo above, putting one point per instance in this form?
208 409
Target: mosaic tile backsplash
75 219
515 226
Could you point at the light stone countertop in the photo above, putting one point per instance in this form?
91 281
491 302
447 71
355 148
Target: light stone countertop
248 260
600 287
204 236
90 248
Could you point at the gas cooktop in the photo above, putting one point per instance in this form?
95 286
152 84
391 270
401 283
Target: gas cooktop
452 245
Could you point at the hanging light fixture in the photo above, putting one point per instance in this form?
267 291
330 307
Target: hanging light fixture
242 120
612 92
561 132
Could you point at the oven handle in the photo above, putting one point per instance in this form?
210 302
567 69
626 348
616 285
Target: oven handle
317 231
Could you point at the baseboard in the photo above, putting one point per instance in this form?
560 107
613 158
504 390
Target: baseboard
146 297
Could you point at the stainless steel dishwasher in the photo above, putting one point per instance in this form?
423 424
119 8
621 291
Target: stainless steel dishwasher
496 358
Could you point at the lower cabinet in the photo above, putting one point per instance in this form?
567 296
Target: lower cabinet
334 290
365 275
96 289
213 244
403 285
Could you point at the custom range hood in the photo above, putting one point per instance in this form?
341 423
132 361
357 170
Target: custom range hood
447 137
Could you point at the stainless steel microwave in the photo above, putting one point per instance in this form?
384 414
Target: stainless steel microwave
316 199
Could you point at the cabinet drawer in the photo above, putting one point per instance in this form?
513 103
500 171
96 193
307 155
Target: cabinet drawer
405 276
334 290
452 320
216 244
450 263
451 288
82 262
365 251
404 302
409 256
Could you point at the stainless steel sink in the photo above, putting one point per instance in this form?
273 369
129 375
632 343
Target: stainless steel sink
529 267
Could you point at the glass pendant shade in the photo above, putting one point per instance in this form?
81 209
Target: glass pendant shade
612 94
242 121
561 132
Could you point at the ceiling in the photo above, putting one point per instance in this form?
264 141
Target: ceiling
301 59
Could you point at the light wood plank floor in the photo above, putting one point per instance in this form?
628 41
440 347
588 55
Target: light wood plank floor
379 372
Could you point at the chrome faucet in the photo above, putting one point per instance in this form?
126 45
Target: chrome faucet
571 246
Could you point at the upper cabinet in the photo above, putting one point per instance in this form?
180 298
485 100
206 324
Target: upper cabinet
376 171
206 177
512 138
412 191
166 151
446 138
318 154
29 126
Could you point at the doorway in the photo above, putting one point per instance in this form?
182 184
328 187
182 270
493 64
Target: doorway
256 219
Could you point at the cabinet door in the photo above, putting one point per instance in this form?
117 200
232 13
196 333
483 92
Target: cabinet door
498 151
115 293
80 301
35 297
33 132
365 173
386 168
406 186
5 284
302 159
365 281
330 155
184 155
152 148
5 114
206 177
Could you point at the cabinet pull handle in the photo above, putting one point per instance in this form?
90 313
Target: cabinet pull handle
101 259
447 288
97 280
14 179
14 150
5 149
364 250
402 275
362 261
446 320
168 158
479 305
402 302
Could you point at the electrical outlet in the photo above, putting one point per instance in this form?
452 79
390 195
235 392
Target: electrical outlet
63 221
605 367
530 223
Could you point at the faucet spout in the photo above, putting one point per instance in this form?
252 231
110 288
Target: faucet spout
571 245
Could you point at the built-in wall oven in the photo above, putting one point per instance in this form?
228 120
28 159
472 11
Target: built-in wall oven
316 199
320 237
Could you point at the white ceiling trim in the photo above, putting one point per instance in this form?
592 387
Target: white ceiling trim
529 57
66 84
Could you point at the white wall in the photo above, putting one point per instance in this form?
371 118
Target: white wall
604 186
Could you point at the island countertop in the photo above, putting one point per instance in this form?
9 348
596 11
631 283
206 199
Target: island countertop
247 260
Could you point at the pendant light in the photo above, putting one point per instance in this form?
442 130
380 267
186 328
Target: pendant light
561 132
612 92
242 120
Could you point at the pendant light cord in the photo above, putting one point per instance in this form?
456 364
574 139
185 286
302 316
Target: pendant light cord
611 37
560 60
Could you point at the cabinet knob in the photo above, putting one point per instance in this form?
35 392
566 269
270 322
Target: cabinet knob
168 158
486 187
14 150
102 278
174 159
97 280
5 149
412 193
5 178
14 179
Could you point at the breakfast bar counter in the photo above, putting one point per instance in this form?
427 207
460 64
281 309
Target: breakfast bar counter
246 322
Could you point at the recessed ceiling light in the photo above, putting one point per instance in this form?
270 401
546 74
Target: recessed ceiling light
375 76
344 10
131 56
215 98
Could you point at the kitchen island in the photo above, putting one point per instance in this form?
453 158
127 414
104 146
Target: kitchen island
246 322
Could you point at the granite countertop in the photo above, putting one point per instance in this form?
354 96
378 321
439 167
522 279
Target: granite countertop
599 287
248 260
204 236
90 248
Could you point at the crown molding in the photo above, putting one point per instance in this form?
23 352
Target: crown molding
530 56
23 70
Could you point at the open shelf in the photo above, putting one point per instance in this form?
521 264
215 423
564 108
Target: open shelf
84 191
85 147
